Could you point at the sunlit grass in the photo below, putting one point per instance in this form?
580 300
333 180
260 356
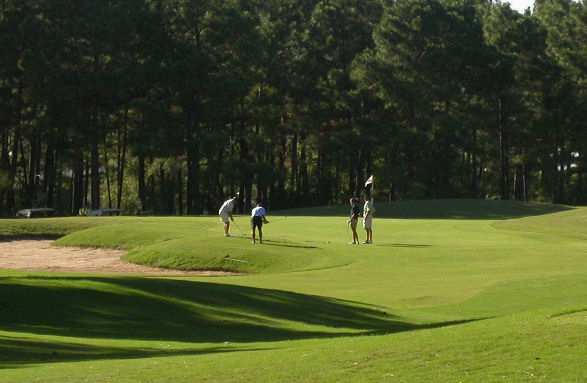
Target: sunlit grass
435 299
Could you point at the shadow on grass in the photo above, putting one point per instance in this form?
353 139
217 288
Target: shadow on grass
401 245
20 351
269 242
172 310
24 237
441 209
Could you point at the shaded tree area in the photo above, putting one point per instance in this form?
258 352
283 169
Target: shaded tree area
167 107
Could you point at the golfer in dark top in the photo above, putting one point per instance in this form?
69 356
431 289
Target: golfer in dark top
257 219
352 222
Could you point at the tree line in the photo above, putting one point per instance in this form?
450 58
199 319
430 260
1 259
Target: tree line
169 106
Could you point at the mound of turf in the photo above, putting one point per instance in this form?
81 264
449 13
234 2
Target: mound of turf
196 243
440 209
570 225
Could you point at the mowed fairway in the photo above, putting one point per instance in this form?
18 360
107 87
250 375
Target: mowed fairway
450 291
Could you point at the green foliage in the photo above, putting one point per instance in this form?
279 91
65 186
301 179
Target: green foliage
166 107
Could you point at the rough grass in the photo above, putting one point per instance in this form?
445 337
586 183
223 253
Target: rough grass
434 299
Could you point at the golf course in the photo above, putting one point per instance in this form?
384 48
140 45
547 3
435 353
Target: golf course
449 291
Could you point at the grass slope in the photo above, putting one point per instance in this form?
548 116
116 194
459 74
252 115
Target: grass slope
437 299
442 209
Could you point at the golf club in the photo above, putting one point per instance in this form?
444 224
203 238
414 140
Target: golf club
239 229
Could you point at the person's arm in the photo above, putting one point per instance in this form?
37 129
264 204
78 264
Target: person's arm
264 219
231 211
354 215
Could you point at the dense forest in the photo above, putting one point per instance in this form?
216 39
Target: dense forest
169 106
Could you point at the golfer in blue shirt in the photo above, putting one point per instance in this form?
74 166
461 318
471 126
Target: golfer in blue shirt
257 219
352 222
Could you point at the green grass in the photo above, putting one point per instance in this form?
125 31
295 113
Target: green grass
453 291
443 209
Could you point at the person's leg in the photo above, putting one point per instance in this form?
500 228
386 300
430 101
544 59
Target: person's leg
260 235
225 223
253 230
369 228
366 232
354 228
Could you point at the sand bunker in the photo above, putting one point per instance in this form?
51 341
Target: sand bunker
39 255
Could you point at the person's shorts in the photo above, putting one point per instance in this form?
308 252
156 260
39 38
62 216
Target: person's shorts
224 217
354 223
256 221
368 222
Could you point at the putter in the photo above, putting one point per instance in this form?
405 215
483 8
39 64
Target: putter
279 219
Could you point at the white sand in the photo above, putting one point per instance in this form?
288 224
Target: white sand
39 255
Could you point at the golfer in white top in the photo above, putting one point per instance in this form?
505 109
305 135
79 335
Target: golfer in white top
257 219
368 211
225 213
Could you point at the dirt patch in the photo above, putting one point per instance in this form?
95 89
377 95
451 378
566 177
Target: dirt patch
39 255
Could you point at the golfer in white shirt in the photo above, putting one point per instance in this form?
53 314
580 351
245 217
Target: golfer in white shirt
368 211
225 213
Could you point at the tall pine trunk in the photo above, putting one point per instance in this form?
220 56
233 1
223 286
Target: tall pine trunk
35 143
294 168
304 181
193 158
474 186
503 149
246 185
11 193
121 164
49 171
193 186
95 146
107 173
282 171
180 207
141 182
86 182
78 183
95 172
